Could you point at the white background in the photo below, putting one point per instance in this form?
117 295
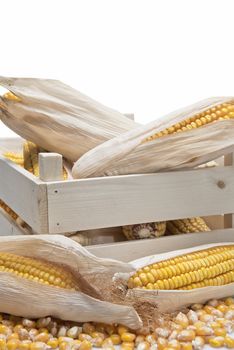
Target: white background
148 57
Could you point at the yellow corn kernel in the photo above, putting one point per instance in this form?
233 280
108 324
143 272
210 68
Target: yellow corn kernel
139 339
42 337
2 344
220 332
186 335
216 342
128 337
25 345
229 301
182 320
162 343
13 344
186 346
4 329
204 331
62 346
13 336
122 329
97 341
53 343
144 345
85 345
198 343
116 339
174 344
127 345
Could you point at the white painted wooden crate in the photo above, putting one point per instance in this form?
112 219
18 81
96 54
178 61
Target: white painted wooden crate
58 207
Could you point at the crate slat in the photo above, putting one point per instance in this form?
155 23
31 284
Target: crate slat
123 200
25 194
131 250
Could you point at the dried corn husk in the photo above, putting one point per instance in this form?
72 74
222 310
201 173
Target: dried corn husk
172 300
58 118
130 154
31 299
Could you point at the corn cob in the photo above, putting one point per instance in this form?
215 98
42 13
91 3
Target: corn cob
214 266
36 270
220 112
196 224
14 157
31 154
141 231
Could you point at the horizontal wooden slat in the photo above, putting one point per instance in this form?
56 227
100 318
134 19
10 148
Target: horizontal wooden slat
25 194
128 251
122 200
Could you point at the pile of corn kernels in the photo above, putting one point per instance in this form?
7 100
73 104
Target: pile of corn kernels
210 324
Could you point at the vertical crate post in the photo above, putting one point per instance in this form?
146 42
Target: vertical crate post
229 218
50 167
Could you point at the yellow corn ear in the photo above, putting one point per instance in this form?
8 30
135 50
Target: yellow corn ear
220 112
196 224
142 231
37 270
209 267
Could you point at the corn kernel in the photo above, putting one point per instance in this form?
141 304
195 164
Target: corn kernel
116 339
229 342
86 345
53 343
216 342
186 335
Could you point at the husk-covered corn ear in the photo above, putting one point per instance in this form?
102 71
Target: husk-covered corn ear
184 139
53 275
143 231
58 118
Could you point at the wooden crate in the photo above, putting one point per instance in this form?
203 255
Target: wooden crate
57 207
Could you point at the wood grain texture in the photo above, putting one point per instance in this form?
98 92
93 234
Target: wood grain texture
25 194
123 200
128 251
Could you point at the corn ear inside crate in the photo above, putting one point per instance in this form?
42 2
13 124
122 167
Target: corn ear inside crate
50 205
